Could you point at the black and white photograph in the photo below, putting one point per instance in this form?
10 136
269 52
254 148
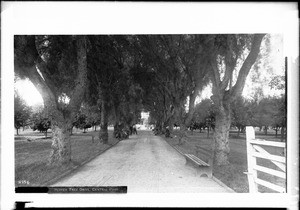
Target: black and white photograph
149 115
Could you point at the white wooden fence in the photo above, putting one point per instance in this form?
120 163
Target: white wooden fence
254 151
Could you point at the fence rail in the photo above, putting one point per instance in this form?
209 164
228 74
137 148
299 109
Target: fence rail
254 151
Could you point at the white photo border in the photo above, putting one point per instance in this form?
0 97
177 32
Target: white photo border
147 18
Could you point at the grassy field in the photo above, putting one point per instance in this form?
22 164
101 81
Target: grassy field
31 157
233 174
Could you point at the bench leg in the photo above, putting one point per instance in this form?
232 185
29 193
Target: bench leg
202 171
205 171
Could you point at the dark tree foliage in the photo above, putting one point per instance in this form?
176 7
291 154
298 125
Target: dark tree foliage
176 65
40 122
242 114
82 122
270 113
22 112
111 86
204 117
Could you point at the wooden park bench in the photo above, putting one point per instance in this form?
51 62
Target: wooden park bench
205 164
203 160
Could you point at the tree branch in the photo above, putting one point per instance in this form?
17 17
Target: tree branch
42 66
215 73
26 61
250 60
164 86
230 63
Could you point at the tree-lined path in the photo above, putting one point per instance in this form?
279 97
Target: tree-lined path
184 81
143 163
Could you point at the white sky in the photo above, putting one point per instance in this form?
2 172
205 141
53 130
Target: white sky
28 92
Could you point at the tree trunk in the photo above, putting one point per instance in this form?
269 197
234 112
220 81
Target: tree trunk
266 130
61 141
182 133
158 127
221 136
17 131
103 133
62 122
208 129
171 124
61 145
282 133
222 96
243 129
238 134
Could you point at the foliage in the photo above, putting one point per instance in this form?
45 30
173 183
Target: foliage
204 114
40 121
22 112
277 82
111 85
242 112
176 64
59 53
82 122
267 74
91 114
268 112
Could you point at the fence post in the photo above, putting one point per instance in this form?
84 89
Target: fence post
252 174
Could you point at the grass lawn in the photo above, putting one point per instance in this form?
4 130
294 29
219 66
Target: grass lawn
233 174
31 157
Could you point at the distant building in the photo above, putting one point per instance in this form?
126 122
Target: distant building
145 116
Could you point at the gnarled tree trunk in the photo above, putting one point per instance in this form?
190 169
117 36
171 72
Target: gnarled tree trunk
225 92
182 133
61 145
221 136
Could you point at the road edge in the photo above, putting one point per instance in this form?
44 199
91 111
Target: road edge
222 184
68 172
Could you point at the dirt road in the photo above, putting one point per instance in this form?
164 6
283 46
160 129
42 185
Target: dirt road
143 163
